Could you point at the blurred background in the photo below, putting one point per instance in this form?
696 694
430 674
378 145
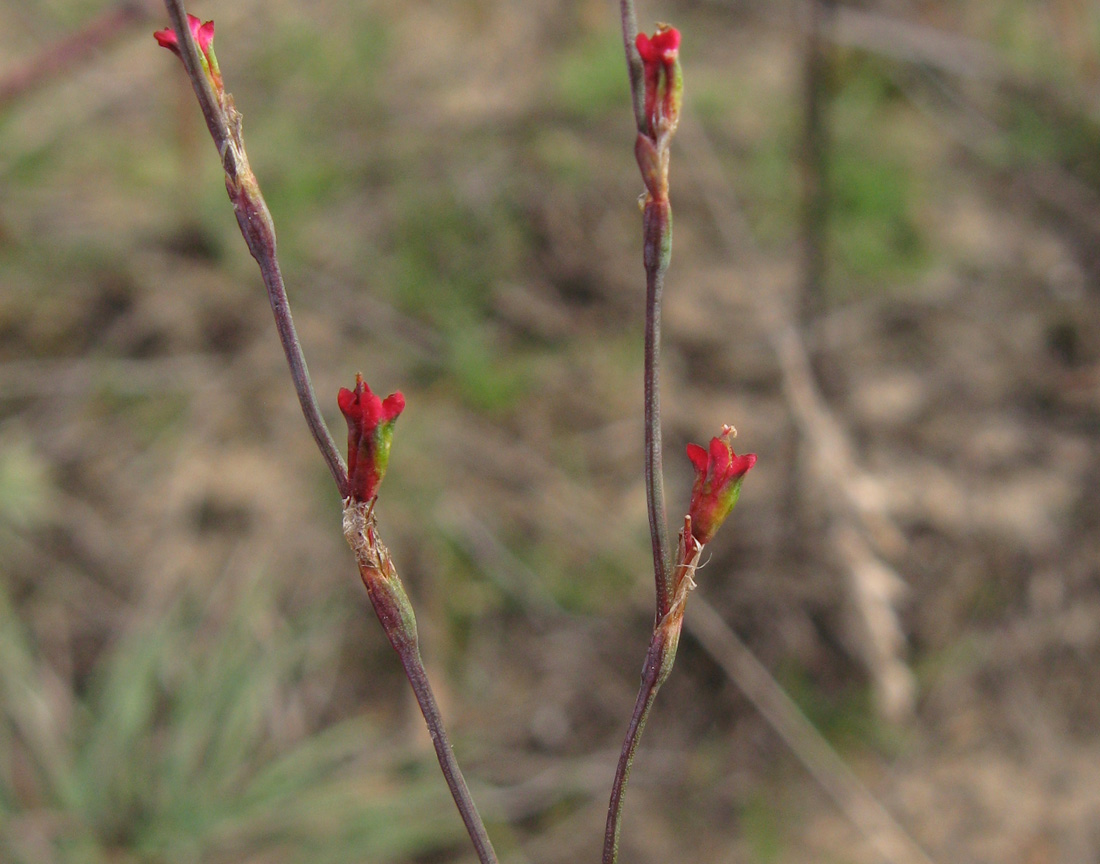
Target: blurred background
885 274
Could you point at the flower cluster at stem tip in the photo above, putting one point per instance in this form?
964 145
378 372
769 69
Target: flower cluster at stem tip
718 475
203 34
370 433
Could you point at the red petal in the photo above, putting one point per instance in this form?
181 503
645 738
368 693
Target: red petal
346 400
720 456
393 405
698 457
742 464
203 33
167 39
666 43
646 49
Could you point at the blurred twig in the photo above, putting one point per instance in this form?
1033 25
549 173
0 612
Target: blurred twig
882 832
827 767
854 498
496 560
68 53
812 160
966 123
915 43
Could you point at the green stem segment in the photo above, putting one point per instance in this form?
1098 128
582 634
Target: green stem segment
391 604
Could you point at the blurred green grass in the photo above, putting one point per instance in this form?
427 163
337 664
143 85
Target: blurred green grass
180 749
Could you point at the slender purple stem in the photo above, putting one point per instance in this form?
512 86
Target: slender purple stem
460 792
633 61
216 120
299 372
654 473
657 244
395 614
258 230
655 279
655 663
259 233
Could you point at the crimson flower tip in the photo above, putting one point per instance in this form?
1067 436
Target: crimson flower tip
662 79
718 476
203 34
662 47
370 433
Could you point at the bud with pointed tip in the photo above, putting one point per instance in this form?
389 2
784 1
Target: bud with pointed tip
370 433
718 475
203 34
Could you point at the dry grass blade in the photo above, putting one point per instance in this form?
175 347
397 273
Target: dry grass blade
881 831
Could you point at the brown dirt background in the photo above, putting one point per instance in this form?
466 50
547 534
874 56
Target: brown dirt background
454 189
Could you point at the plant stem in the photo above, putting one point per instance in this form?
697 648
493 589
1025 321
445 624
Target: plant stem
258 229
299 372
647 693
395 613
212 112
657 240
654 472
658 666
379 576
633 61
460 792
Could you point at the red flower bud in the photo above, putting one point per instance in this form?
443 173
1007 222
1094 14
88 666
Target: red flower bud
718 476
204 38
663 80
662 47
370 432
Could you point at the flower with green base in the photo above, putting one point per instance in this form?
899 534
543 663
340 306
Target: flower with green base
370 433
718 475
203 34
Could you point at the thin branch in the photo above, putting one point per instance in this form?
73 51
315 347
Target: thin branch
258 229
647 693
654 471
658 666
216 120
633 61
452 773
379 576
395 613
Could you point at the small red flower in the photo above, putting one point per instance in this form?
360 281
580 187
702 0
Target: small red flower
718 476
663 81
203 33
661 48
204 38
370 433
